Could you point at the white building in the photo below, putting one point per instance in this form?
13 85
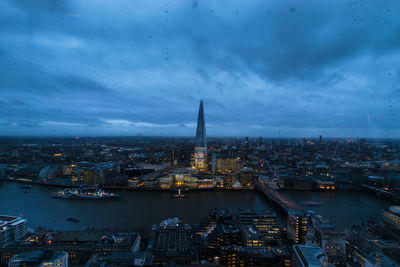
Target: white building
11 229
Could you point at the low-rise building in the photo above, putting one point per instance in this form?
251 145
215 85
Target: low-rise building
80 245
41 258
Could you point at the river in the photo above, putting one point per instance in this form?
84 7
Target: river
138 210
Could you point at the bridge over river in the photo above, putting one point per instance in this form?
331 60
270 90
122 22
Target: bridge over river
277 197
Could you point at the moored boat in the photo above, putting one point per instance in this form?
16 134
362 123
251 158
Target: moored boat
75 193
179 195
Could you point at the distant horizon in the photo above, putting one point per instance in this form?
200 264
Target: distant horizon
193 137
263 68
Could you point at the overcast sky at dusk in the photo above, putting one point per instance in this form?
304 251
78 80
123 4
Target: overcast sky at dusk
264 68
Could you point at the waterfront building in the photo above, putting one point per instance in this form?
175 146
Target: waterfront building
151 183
308 256
166 182
298 224
190 182
325 185
135 183
228 181
11 229
219 182
200 145
41 258
171 242
179 180
206 184
392 216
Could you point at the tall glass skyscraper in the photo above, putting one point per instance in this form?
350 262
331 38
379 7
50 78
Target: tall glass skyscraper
200 145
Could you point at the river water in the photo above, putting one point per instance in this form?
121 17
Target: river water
138 210
342 208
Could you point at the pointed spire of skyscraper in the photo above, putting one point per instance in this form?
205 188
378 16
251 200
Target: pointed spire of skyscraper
200 144
201 139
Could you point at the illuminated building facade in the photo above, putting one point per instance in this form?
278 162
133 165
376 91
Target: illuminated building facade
259 228
325 185
298 224
241 256
200 149
226 163
332 242
217 230
392 216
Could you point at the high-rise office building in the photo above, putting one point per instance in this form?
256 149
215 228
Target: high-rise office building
200 145
298 224
259 228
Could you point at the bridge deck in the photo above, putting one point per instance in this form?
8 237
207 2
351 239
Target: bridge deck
277 197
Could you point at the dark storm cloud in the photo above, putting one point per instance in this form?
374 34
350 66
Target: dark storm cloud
264 68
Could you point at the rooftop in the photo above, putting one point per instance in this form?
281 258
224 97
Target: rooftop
310 255
36 257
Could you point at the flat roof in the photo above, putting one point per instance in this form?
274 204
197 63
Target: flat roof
310 255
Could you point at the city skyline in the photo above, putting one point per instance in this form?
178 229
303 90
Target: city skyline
199 133
264 69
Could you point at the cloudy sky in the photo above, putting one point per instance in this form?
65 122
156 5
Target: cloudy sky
264 68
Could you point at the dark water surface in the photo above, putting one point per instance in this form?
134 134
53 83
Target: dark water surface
342 208
135 211
138 210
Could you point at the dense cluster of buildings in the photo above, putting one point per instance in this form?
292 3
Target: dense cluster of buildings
241 238
246 238
376 241
60 248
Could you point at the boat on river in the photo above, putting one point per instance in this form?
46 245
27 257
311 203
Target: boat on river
78 193
179 195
